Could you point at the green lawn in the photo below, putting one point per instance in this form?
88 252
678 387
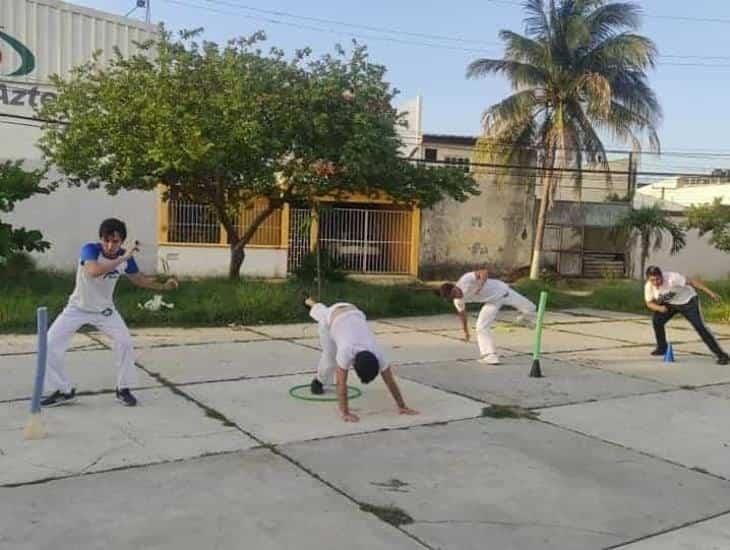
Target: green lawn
216 302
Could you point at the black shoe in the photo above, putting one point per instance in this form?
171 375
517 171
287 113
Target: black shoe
316 387
723 360
59 398
658 351
125 397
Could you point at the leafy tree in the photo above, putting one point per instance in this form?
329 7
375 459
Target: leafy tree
224 126
578 71
712 218
649 225
16 185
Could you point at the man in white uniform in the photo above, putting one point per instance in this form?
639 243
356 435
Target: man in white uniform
92 303
347 343
669 293
477 286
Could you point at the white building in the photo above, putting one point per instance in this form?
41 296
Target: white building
39 38
675 195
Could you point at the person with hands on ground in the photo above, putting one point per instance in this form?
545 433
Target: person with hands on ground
99 267
477 286
668 293
348 343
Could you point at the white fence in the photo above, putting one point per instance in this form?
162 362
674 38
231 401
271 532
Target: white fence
362 240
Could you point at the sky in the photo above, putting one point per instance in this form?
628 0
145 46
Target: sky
692 92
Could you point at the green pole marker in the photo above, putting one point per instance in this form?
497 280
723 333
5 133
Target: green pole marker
536 371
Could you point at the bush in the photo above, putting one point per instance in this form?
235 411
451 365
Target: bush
17 265
330 266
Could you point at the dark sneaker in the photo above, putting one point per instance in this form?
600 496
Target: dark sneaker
58 398
126 398
723 360
316 387
658 351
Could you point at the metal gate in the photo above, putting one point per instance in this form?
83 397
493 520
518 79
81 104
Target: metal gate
300 220
363 240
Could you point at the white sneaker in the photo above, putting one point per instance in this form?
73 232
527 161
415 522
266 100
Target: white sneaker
489 359
526 321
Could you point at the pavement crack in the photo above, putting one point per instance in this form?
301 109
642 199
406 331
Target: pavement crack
628 543
519 524
100 458
632 449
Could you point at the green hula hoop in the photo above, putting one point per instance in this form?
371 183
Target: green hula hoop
352 393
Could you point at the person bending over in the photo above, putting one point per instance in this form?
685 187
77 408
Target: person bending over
668 293
477 286
348 343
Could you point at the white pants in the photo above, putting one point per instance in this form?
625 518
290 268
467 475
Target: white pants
328 358
59 337
489 313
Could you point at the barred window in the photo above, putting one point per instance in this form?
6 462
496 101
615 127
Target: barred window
192 223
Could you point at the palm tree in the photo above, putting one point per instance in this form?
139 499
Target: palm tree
579 72
648 224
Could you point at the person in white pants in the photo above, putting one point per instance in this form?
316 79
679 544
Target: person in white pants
477 286
91 303
348 343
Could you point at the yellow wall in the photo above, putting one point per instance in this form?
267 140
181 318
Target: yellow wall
274 232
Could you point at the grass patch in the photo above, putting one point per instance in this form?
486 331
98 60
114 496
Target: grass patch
617 295
389 514
508 411
220 302
211 302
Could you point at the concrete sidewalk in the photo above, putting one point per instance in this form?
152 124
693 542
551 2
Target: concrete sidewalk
612 448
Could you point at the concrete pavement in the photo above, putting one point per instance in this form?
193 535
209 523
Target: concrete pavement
618 450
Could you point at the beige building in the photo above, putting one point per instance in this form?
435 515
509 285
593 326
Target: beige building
496 228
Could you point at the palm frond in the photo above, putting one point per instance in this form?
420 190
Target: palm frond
589 141
623 122
511 112
652 224
596 93
606 20
520 74
630 88
523 49
536 20
583 67
624 50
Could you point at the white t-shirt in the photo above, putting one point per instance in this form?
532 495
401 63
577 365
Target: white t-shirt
492 291
96 294
674 290
351 334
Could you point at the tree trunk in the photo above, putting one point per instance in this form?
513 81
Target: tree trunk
237 257
238 244
540 232
645 241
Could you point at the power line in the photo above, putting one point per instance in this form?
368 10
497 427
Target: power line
279 13
383 30
649 15
13 123
472 148
32 118
564 170
420 142
326 30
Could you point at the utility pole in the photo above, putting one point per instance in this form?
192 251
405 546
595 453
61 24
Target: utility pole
148 13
